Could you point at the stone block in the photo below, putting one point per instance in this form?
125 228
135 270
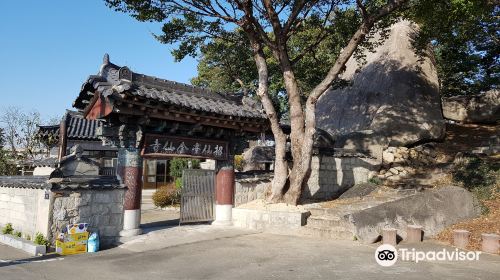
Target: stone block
413 234
68 203
461 238
116 220
116 208
490 243
389 236
85 211
102 197
101 209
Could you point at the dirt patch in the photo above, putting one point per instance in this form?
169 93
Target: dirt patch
464 137
489 223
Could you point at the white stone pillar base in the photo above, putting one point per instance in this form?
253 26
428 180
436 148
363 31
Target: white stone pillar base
131 223
223 215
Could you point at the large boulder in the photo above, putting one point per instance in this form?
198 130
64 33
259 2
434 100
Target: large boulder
393 99
483 108
432 209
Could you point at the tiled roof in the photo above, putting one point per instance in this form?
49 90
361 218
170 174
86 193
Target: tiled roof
72 183
30 182
80 128
45 131
85 182
77 128
114 79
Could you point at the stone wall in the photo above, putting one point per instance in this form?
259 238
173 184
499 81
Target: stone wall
401 162
249 187
332 175
26 208
101 209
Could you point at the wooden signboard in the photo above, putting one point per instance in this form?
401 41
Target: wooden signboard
171 146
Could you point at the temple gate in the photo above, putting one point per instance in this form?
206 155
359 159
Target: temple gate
148 117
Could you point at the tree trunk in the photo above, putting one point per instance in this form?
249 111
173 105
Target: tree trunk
280 163
302 121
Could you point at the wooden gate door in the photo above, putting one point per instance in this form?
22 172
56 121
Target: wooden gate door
197 196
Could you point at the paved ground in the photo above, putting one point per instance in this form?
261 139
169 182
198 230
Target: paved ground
207 252
156 217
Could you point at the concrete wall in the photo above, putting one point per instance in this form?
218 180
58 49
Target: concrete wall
26 208
101 209
269 221
331 176
43 171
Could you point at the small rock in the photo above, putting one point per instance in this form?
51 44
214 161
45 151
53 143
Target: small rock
399 168
394 171
388 157
394 178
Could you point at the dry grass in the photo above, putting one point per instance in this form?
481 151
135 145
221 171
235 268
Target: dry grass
489 223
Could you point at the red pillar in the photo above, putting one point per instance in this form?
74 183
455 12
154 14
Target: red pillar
129 170
224 192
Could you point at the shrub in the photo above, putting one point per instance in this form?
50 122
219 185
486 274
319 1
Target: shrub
27 237
177 165
8 229
478 176
18 234
40 239
178 183
375 180
164 197
239 162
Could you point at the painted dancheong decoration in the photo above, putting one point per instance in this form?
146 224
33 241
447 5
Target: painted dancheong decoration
157 145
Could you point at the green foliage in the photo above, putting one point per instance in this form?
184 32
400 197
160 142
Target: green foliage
239 162
178 183
7 164
478 176
40 239
164 197
177 165
8 229
2 138
18 233
27 237
375 180
464 38
227 65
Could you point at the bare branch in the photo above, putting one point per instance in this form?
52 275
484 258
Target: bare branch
362 9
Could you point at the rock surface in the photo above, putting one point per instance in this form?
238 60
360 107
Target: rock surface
256 157
393 99
483 108
433 210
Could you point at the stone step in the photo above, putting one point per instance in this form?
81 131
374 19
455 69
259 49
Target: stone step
324 221
318 211
334 233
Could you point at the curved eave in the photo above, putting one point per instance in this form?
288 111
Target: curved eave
98 108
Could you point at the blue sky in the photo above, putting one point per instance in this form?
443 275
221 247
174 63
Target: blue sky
49 48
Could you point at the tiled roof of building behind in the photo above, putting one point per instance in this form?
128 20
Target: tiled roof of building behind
78 128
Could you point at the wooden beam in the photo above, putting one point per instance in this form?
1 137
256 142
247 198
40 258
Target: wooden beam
189 118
